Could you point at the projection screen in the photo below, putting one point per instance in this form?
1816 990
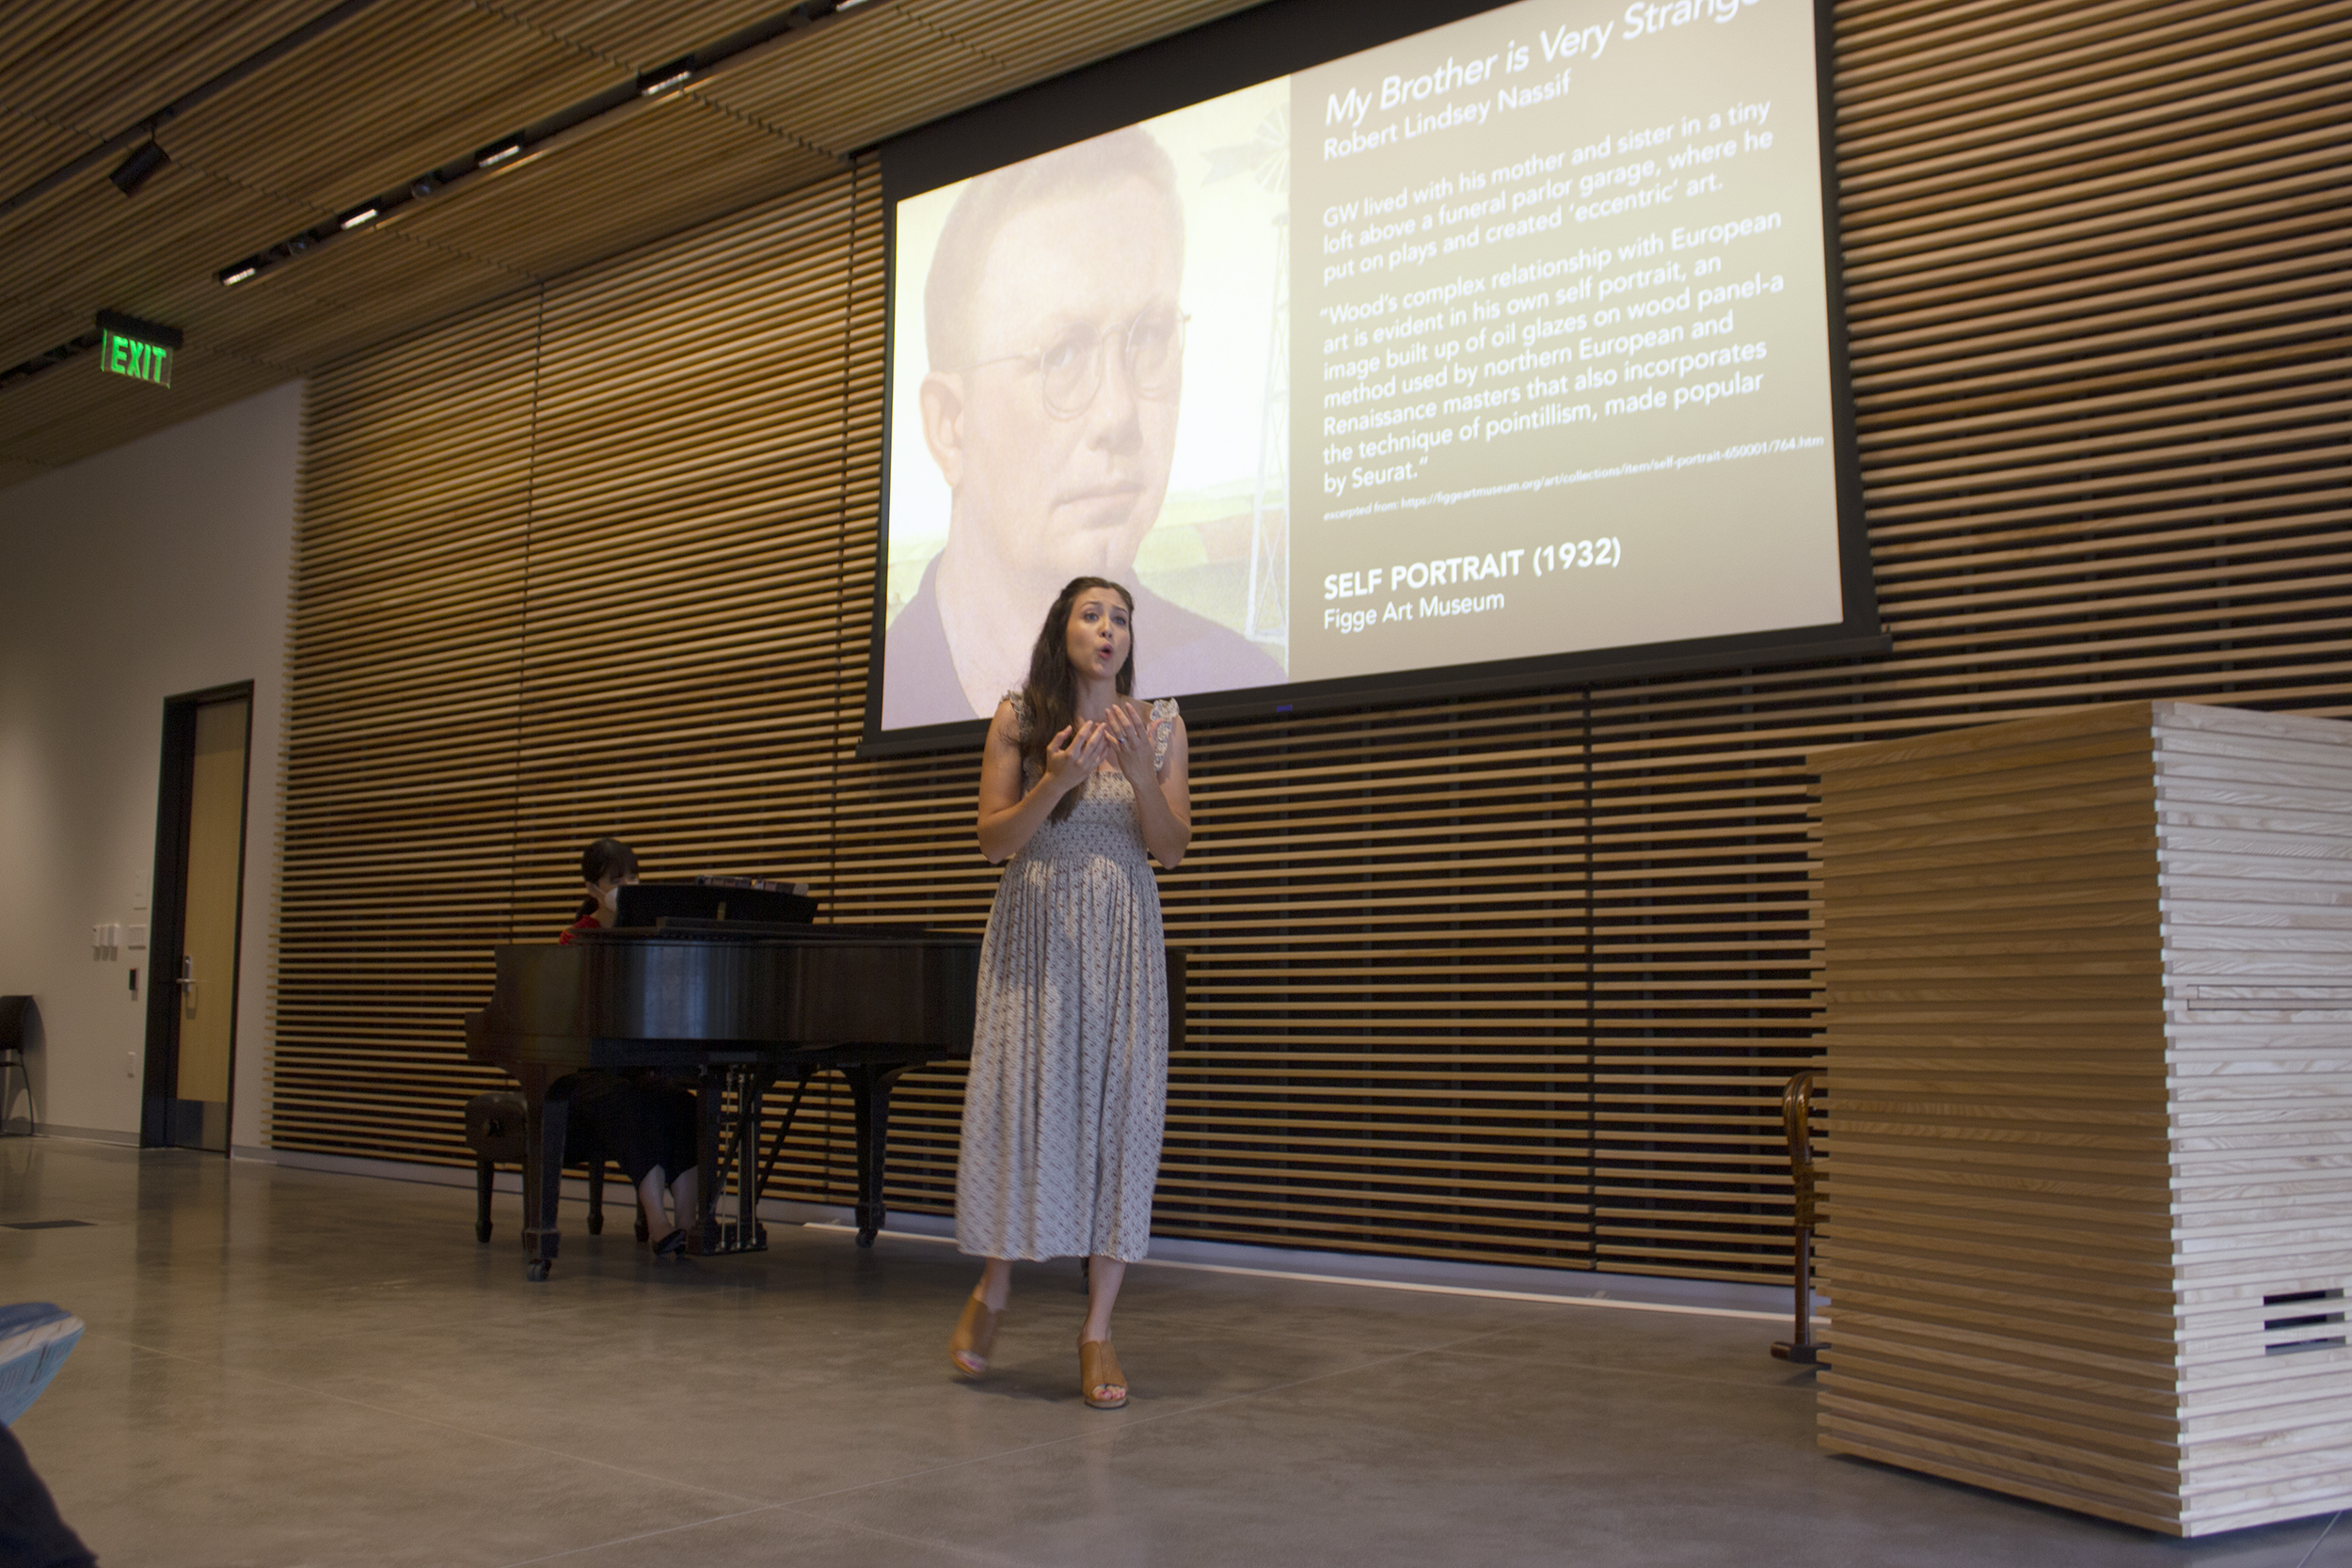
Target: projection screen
1499 352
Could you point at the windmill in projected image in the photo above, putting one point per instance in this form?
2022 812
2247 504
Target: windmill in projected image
1266 157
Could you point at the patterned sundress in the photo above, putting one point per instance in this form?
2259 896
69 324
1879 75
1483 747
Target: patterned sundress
1068 1089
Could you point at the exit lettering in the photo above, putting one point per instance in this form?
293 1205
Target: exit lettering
148 362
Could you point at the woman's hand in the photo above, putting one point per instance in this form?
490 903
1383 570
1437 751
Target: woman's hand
1073 753
1162 785
1128 727
1011 810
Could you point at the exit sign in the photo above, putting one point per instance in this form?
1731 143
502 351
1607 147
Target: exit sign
141 350
137 360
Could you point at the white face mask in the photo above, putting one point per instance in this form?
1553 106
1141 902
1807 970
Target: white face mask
610 896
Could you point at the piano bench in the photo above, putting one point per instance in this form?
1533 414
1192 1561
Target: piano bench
494 1130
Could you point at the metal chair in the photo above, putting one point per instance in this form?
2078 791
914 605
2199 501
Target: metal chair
15 1011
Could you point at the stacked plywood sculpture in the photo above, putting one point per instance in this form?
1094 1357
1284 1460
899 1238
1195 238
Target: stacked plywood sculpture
2088 1208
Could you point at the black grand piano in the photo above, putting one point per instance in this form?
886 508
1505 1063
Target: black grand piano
739 1007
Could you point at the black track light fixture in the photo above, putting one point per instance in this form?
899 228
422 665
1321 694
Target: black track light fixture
139 167
39 362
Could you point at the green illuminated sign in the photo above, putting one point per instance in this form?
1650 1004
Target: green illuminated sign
141 350
137 360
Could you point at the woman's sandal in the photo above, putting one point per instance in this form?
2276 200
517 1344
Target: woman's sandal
975 1334
672 1246
1099 1377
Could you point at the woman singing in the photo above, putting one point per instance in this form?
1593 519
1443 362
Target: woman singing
1063 1107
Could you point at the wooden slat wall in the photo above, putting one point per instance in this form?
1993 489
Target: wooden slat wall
1999 1226
1511 978
400 766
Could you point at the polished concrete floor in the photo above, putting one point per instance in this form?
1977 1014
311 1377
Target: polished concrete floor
286 1367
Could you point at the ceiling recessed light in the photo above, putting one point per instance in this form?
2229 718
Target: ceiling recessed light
239 273
490 157
353 220
668 78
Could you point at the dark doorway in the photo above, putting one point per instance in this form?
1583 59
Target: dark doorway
199 908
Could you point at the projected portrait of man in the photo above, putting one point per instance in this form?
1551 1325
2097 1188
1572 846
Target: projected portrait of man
1056 343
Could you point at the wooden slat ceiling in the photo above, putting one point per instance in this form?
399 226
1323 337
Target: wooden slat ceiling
403 87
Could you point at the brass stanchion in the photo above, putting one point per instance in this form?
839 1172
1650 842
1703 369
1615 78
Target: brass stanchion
1796 1115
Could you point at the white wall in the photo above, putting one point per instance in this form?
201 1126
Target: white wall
155 569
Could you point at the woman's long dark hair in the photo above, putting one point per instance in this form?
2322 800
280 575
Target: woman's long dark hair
1051 693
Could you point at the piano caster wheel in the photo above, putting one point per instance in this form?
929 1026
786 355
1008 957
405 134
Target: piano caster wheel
536 1270
865 1237
481 1234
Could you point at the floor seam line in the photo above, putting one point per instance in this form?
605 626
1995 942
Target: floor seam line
1137 1421
857 1525
450 1426
2305 1561
1545 1298
756 1505
911 1540
794 1502
1669 1377
641 1535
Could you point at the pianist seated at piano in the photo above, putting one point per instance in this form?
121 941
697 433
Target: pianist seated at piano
607 866
641 1120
